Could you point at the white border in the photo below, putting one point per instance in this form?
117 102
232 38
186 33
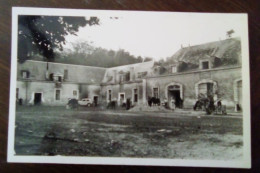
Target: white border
11 157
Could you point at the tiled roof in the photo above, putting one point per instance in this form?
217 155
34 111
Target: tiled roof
137 68
219 49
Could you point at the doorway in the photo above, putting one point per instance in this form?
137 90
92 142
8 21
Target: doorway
174 93
37 98
95 100
121 98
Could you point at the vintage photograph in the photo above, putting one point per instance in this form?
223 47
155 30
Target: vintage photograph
142 88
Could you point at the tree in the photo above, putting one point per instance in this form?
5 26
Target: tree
230 32
83 53
82 47
42 34
146 59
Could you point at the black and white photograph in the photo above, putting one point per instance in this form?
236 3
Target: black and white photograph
129 88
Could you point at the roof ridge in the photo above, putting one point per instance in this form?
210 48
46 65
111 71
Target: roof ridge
65 64
105 68
233 38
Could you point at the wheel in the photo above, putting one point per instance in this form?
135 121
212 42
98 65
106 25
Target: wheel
88 105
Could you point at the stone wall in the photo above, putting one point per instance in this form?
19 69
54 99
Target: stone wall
27 90
89 91
223 78
126 88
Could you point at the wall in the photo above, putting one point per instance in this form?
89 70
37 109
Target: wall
223 77
89 91
27 90
76 73
126 88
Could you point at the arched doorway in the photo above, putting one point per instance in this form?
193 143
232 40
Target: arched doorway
238 97
174 91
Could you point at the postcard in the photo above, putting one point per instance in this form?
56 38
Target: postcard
129 88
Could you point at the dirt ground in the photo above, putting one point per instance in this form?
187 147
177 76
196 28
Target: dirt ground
84 132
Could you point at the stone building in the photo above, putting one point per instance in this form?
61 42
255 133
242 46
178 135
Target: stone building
54 83
207 69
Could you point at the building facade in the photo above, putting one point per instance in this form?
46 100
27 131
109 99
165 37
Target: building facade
207 69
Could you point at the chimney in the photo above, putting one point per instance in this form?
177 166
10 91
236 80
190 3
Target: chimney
132 74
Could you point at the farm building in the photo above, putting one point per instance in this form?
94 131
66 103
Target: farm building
208 69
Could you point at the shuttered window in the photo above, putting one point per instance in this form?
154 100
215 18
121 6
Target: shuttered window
135 95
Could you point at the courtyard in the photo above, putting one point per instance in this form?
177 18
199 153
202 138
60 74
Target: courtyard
182 134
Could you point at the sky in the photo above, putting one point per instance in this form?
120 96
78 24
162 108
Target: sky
157 35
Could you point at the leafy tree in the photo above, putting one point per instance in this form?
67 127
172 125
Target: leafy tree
84 53
139 59
147 59
82 47
42 34
230 32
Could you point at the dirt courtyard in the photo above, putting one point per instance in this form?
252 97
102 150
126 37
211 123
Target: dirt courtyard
57 131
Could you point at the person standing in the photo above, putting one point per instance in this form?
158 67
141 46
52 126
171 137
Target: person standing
172 104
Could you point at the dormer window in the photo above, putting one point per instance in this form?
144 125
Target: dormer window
205 64
56 77
124 76
127 76
25 74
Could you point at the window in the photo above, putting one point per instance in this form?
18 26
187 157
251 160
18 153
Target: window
25 74
57 95
66 74
124 77
205 65
51 77
122 97
156 92
174 69
135 95
127 76
109 96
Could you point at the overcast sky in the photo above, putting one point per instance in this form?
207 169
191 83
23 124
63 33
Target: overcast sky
157 35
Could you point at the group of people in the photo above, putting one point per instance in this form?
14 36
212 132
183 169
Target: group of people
127 104
172 103
207 104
